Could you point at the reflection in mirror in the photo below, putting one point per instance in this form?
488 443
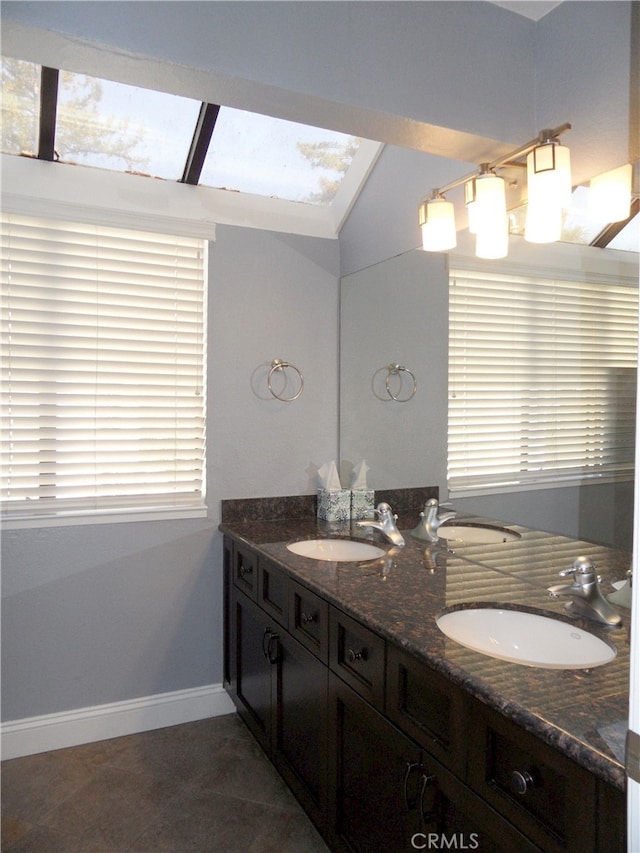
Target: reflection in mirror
397 312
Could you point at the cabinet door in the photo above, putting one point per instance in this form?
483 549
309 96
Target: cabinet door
245 570
541 791
357 655
272 591
300 748
375 776
255 650
427 707
454 818
309 620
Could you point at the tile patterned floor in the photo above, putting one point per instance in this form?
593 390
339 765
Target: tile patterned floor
203 786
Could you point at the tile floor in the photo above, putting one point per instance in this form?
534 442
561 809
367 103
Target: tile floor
203 786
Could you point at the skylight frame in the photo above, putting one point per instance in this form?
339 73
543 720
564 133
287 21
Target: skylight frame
350 181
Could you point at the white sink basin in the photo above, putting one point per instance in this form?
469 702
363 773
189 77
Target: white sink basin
526 638
471 534
336 550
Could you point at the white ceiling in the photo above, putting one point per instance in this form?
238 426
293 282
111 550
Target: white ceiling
533 9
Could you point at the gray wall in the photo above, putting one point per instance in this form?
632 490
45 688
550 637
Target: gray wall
98 614
103 613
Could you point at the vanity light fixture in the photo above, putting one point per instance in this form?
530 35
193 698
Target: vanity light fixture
610 194
549 189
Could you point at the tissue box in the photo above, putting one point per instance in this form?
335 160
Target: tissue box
334 506
361 503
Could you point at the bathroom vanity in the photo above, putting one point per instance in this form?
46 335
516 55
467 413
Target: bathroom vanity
394 737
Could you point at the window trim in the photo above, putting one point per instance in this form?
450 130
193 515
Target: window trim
140 510
561 265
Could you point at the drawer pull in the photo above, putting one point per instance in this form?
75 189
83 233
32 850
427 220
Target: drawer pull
521 782
411 767
270 651
243 571
307 618
353 656
265 641
428 816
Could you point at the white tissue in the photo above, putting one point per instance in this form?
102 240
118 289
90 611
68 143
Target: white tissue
359 480
328 477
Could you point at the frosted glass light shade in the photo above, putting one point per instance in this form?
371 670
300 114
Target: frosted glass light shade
438 225
610 194
491 223
548 190
549 174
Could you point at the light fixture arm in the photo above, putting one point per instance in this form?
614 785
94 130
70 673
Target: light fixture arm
546 135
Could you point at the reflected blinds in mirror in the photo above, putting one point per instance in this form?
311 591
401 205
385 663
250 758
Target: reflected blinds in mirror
102 368
542 381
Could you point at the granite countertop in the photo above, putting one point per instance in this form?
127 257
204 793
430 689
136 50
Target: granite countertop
583 713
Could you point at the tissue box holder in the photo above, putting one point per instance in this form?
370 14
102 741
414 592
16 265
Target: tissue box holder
334 506
361 503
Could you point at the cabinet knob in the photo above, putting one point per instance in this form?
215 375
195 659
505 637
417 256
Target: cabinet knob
521 782
353 656
307 618
243 571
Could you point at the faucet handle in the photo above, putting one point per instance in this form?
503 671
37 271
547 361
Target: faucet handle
581 566
382 509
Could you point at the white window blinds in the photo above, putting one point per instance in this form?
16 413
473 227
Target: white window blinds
102 369
542 380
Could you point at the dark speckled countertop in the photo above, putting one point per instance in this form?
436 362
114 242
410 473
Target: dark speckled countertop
583 713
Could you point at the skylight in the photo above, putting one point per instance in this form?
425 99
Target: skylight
118 127
123 128
267 156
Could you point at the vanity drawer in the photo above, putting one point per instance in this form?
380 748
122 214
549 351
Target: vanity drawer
245 570
357 655
309 620
427 707
273 591
538 789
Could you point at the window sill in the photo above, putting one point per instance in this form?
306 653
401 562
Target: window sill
541 486
121 516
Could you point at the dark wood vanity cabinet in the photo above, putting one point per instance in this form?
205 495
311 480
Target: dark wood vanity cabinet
388 794
383 752
278 686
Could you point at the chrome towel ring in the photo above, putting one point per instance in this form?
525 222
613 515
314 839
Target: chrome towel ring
398 370
278 365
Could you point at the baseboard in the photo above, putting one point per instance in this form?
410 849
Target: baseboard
100 722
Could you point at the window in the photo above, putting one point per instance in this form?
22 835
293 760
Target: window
103 404
542 381
110 125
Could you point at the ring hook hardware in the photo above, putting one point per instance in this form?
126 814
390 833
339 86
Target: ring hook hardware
397 370
279 365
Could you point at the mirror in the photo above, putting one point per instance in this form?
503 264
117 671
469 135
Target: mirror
394 314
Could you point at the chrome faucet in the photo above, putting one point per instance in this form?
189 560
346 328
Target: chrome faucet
587 599
430 521
386 524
